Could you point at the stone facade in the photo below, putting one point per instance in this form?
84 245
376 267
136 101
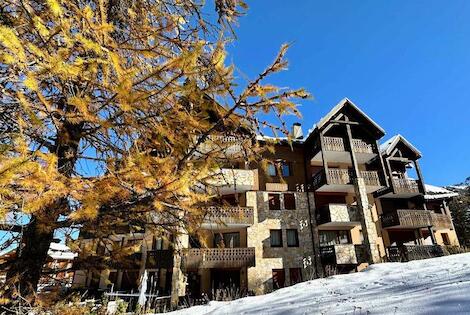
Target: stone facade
269 258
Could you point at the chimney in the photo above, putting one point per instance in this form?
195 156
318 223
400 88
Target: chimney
297 131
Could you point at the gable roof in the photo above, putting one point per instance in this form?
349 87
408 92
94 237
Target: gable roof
389 145
344 102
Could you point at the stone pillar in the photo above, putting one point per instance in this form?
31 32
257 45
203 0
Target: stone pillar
369 229
178 280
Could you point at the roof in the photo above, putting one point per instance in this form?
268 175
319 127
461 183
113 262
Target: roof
435 192
335 110
338 107
388 145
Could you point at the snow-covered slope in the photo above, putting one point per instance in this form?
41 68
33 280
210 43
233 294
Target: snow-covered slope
434 286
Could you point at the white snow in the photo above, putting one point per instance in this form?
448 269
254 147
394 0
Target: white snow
433 286
60 251
435 192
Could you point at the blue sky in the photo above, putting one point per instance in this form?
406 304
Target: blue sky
405 63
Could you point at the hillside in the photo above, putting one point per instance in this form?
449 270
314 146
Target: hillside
434 286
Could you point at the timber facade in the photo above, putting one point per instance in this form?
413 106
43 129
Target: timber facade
331 202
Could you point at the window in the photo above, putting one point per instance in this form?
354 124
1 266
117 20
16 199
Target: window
334 237
225 240
157 243
275 237
274 202
292 238
445 238
279 278
286 169
295 275
289 201
272 169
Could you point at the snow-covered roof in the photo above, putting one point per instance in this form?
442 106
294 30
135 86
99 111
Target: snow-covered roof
435 192
388 145
60 251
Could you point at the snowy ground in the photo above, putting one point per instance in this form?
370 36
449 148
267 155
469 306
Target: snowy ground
432 286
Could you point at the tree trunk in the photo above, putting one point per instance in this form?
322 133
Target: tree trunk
37 236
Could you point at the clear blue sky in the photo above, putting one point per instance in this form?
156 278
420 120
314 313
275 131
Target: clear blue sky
405 63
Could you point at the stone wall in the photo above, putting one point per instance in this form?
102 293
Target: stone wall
269 258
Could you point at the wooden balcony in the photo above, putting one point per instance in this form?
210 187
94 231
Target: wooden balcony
339 215
162 258
219 257
219 216
337 144
405 187
341 180
404 218
339 254
415 219
226 144
417 252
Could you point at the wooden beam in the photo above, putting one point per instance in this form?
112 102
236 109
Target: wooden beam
351 151
385 177
324 159
420 177
345 122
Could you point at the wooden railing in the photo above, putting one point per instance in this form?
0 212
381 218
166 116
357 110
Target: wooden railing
360 146
219 257
362 253
339 176
407 218
416 219
337 144
333 144
230 215
414 252
403 185
441 221
371 178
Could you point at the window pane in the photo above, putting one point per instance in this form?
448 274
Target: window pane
276 238
295 275
271 169
289 201
232 239
285 169
279 278
327 238
292 238
274 202
343 237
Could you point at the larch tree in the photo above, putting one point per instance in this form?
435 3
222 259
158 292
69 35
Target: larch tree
105 106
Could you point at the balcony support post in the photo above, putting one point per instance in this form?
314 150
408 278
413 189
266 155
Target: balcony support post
433 236
323 156
351 151
382 165
420 177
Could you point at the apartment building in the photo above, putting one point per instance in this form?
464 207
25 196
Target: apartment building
332 201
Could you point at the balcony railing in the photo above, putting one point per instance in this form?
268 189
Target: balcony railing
219 257
362 254
341 213
162 258
416 219
339 254
339 176
403 185
407 218
230 215
337 144
417 252
371 178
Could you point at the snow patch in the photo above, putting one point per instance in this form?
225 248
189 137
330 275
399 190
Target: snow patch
432 286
